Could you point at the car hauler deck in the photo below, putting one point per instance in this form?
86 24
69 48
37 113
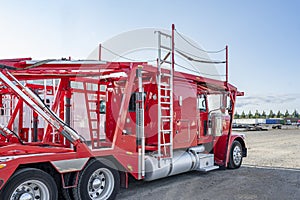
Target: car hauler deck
75 129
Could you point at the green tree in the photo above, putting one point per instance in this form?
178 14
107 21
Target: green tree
257 114
263 114
279 115
236 115
250 114
287 114
271 114
243 115
295 114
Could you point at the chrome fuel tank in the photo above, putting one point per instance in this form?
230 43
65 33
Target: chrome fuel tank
183 161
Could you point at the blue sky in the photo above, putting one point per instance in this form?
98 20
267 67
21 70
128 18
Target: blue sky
263 36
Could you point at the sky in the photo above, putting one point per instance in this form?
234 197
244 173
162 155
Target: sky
263 37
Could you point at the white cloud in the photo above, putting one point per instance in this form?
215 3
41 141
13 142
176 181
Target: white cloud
269 102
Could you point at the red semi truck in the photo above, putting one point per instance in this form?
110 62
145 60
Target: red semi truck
76 129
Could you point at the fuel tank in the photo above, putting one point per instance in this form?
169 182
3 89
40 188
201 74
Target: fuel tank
183 161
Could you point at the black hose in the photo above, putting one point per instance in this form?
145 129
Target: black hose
8 67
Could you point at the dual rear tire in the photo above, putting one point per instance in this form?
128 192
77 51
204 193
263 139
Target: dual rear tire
30 184
99 180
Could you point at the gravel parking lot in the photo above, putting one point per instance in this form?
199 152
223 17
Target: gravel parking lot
274 148
271 171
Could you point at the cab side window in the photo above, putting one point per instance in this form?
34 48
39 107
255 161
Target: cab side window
201 101
132 102
102 107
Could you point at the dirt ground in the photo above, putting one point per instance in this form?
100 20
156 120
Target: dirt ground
274 148
271 171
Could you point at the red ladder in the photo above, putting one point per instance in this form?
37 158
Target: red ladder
92 99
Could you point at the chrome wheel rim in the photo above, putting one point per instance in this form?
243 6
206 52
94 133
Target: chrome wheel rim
101 184
237 155
31 190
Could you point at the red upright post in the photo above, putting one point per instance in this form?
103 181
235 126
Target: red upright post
173 47
99 52
226 64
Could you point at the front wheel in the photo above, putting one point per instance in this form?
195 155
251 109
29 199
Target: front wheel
236 155
98 181
30 184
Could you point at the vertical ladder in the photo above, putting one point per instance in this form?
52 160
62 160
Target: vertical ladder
92 106
165 67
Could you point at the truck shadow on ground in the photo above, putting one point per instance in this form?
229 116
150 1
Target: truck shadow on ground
247 182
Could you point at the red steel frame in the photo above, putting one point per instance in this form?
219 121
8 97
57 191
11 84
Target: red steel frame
122 147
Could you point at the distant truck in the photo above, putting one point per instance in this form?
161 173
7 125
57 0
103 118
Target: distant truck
250 121
257 124
288 122
259 121
275 121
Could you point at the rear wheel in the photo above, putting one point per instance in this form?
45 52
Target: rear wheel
98 181
30 184
70 180
236 155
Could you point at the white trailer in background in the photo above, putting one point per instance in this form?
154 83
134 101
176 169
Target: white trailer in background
250 121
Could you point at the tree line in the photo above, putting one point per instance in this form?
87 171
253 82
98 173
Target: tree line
263 115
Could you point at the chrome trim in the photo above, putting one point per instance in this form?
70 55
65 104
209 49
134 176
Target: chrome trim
64 166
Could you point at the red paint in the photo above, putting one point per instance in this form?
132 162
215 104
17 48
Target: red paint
191 125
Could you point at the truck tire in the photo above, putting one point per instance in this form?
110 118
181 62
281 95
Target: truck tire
236 155
30 183
70 179
99 180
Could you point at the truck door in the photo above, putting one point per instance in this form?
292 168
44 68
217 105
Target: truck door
185 114
203 119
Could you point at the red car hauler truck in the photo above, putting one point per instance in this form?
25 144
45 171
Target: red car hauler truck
76 129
